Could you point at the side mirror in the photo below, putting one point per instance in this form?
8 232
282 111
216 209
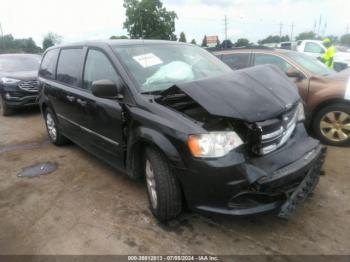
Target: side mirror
107 89
295 74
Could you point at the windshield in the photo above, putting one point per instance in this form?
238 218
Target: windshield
16 63
158 67
310 63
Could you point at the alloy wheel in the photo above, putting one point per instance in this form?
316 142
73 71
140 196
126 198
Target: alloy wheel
51 127
151 184
335 126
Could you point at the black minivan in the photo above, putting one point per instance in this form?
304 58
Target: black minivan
200 134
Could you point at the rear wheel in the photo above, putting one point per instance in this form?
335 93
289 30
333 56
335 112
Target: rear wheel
163 189
4 109
332 124
52 129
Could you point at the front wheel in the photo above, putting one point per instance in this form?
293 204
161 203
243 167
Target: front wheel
163 189
332 124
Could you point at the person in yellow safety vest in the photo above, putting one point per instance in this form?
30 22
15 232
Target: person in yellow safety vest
328 57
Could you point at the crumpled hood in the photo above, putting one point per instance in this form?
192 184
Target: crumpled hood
254 94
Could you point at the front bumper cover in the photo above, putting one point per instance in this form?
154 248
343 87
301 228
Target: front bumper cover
305 189
287 188
21 101
238 184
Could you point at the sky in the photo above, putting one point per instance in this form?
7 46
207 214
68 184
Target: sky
78 20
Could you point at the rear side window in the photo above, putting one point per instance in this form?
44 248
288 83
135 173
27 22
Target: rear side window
98 67
48 65
236 61
69 66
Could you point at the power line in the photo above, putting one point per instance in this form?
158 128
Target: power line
281 25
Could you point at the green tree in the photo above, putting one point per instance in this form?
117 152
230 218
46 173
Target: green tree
182 37
149 19
306 36
227 44
119 37
8 44
345 39
270 39
173 37
242 42
285 38
51 39
193 42
204 41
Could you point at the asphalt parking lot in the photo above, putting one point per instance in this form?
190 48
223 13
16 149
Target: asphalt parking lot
86 207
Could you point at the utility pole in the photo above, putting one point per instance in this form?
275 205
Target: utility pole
347 29
291 31
324 29
315 26
2 38
225 25
281 25
319 25
225 21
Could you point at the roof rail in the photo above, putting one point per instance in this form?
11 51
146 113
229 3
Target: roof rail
212 49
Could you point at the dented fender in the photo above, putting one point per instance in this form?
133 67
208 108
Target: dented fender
140 136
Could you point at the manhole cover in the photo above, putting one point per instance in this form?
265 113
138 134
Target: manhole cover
38 170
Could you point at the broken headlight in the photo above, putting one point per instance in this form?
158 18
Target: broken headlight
213 144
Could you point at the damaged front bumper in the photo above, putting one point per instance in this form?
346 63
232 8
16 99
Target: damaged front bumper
283 179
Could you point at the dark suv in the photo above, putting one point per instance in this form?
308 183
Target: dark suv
18 81
199 133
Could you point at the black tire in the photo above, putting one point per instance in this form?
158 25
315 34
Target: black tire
59 139
169 200
5 110
336 108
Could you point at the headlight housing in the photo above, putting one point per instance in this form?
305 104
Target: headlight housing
213 144
300 112
7 80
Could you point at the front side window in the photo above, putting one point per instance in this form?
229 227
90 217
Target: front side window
263 59
157 67
236 61
97 67
69 66
48 65
313 48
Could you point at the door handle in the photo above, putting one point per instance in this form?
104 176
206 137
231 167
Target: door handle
70 98
81 102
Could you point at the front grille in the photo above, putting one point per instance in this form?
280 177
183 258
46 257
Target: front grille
276 132
29 86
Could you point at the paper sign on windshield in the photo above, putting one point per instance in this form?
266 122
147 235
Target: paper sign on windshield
148 60
347 92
